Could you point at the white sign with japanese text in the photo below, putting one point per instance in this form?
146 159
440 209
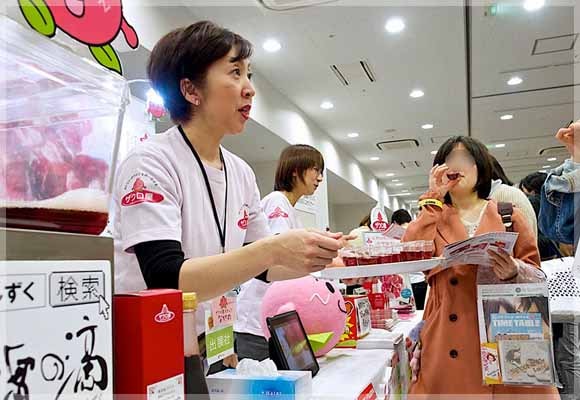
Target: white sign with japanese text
56 337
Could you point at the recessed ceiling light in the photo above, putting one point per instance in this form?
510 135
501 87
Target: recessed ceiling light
326 105
500 146
390 174
552 159
395 180
272 45
352 135
533 5
405 190
374 158
546 166
398 184
543 171
416 93
434 152
514 80
506 117
395 25
427 126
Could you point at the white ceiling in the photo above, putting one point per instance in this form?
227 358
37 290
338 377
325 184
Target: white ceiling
501 48
315 38
429 54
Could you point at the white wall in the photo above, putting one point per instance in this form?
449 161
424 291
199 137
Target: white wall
346 217
265 172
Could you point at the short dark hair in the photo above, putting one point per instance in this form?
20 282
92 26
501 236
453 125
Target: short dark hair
401 217
188 53
497 172
481 156
296 158
533 182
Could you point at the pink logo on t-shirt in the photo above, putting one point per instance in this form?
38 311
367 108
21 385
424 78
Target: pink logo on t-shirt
380 224
243 222
278 213
140 194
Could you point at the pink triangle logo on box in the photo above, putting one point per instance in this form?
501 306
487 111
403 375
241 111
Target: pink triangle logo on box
165 315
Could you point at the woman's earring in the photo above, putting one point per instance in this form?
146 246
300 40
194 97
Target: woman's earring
196 102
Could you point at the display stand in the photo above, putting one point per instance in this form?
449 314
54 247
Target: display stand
346 373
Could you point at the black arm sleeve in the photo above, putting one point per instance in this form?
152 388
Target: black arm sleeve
160 262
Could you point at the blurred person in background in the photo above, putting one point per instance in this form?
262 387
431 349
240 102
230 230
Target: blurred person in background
299 173
560 198
531 185
402 218
503 191
363 226
559 211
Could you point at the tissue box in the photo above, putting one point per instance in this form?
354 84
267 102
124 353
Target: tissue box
289 385
148 332
358 320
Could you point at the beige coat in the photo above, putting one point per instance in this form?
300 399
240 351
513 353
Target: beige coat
450 357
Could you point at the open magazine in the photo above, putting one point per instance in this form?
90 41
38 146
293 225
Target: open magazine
474 250
515 334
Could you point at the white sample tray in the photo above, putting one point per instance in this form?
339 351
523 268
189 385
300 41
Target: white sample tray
379 269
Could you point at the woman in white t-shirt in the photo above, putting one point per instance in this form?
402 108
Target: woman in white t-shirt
187 211
299 173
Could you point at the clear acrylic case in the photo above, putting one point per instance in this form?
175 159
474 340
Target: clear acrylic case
60 123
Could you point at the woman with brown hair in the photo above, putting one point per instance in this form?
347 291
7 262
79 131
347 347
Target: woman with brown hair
447 360
298 174
187 211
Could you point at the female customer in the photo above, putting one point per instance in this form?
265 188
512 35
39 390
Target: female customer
448 359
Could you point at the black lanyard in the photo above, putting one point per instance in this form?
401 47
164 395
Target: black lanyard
221 232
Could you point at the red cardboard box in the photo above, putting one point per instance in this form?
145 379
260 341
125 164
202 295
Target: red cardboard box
148 344
358 320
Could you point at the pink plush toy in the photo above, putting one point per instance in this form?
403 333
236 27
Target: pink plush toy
319 304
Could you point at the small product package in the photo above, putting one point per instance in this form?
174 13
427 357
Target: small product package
148 344
285 385
358 320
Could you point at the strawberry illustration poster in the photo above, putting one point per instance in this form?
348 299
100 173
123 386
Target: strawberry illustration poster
90 24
